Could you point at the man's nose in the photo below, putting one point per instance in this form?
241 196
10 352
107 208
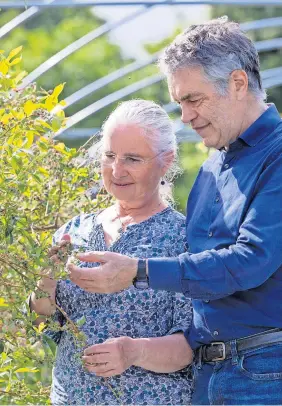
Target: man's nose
188 114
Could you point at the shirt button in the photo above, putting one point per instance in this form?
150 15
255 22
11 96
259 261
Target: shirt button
215 333
217 199
226 166
210 234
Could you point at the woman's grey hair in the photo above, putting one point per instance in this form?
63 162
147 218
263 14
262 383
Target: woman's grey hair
157 128
219 47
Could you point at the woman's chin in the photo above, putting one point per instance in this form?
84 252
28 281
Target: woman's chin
122 192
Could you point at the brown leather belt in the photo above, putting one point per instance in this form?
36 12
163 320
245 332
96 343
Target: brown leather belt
219 350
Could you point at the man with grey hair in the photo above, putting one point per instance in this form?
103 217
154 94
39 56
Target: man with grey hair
233 270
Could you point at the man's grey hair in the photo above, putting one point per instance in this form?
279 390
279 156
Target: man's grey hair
219 47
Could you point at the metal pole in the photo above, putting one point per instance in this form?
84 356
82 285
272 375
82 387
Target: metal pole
70 49
99 83
88 3
109 99
98 32
19 19
260 24
105 80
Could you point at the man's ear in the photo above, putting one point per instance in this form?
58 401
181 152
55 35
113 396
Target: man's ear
239 82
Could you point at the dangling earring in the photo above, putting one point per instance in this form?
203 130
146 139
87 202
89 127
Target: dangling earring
162 182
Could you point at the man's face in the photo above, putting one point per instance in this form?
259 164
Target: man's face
217 119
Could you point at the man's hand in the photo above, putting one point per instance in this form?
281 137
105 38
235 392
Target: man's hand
115 273
112 357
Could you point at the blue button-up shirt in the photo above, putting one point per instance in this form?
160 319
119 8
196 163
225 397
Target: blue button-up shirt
233 270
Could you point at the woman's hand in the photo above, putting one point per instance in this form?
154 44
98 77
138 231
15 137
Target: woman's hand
112 357
43 300
59 253
158 354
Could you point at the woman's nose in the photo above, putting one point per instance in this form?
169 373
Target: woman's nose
118 168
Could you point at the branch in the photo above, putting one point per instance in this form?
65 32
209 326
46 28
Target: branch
9 284
8 393
59 200
45 228
14 126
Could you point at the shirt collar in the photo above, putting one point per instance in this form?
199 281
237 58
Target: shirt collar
263 126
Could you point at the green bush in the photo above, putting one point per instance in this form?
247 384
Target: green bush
42 184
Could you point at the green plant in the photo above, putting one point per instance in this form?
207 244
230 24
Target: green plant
42 184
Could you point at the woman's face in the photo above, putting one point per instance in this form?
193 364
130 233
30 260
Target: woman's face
130 170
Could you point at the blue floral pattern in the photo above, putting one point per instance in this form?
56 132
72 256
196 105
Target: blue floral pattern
130 312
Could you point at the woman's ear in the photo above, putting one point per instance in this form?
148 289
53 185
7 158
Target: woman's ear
168 159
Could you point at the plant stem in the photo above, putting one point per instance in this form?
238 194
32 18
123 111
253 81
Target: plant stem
116 394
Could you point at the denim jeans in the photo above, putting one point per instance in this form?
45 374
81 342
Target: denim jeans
251 377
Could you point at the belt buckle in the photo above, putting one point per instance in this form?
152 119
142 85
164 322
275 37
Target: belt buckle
222 358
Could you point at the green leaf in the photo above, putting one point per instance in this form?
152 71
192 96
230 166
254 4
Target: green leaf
30 107
49 344
14 52
56 123
29 139
1 347
4 357
3 303
41 327
36 177
58 90
43 170
20 77
80 322
4 67
15 61
32 370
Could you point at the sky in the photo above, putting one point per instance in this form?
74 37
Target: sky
153 26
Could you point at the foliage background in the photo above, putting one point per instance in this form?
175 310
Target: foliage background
42 37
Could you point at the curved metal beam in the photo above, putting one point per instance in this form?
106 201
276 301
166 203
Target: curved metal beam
109 99
88 3
70 49
92 87
273 82
268 44
260 24
270 73
98 32
271 77
21 18
105 80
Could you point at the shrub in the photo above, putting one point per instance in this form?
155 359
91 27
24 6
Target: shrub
42 184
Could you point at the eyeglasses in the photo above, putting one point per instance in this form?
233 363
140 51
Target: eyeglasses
130 161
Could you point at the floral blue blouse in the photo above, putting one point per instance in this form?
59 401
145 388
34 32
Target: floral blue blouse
130 312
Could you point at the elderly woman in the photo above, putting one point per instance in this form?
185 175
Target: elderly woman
135 337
